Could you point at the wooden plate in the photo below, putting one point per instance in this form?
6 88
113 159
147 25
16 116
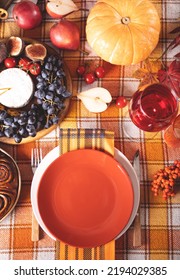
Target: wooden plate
68 83
10 184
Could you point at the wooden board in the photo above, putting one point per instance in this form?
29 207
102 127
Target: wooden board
5 4
63 113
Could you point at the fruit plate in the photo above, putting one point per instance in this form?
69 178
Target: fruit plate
66 82
102 203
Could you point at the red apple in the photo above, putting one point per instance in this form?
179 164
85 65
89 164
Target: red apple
65 35
27 15
58 9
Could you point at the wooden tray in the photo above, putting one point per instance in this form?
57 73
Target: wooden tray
45 131
13 176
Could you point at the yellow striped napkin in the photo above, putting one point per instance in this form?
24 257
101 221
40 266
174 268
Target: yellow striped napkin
73 139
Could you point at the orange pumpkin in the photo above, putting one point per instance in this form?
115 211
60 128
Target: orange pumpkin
123 32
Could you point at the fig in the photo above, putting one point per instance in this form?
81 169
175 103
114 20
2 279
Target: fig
15 46
36 51
3 51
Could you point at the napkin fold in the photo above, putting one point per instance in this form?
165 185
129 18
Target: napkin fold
73 139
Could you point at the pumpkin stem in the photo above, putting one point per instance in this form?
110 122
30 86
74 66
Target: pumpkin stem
125 20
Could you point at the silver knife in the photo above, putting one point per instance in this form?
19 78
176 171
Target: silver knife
137 220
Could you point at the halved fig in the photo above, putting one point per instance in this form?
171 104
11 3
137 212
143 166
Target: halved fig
36 51
3 51
15 45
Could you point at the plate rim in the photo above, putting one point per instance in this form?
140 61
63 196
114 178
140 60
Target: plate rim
54 154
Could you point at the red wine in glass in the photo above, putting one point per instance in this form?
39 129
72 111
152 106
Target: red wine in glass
154 108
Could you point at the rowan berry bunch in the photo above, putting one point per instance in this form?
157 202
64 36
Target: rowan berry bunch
165 180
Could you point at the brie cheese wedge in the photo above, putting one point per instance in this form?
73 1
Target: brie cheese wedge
16 88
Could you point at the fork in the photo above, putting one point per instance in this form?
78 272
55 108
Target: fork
36 157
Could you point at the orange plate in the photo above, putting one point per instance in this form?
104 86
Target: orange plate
85 198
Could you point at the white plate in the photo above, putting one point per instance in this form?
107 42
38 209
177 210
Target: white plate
53 154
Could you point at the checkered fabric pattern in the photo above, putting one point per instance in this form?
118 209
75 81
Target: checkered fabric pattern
160 219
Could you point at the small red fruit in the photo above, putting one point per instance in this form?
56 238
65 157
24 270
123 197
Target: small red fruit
24 63
89 78
35 68
121 102
81 70
10 62
100 72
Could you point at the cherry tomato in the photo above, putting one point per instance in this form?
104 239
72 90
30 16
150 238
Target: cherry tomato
89 78
100 72
121 102
24 63
80 70
35 68
10 62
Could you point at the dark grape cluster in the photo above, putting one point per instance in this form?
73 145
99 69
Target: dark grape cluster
49 96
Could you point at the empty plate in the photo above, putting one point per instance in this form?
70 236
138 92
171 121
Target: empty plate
84 198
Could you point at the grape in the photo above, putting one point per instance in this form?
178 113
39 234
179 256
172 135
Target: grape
51 87
59 90
3 115
49 95
39 78
17 138
60 106
30 128
33 133
8 132
66 94
48 66
60 73
22 130
55 120
55 68
56 99
51 110
23 114
40 93
34 107
15 125
39 101
31 120
45 105
32 112
59 63
58 82
22 120
8 121
40 85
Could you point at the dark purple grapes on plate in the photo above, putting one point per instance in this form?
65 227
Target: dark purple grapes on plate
49 95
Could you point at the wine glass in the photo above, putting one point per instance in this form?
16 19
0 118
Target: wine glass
172 133
153 109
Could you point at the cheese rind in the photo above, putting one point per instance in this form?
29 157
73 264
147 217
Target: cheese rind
16 88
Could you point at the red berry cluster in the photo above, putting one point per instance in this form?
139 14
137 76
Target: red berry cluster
165 180
89 75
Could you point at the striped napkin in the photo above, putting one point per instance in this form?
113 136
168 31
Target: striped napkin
73 139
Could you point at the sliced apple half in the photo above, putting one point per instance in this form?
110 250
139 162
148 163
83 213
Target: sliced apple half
95 99
58 9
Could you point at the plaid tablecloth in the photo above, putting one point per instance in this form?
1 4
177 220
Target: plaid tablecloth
160 219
